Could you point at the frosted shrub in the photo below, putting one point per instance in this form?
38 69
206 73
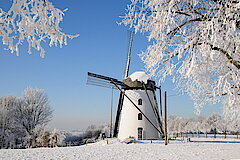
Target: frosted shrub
45 137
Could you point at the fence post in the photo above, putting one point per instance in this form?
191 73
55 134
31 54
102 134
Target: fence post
165 117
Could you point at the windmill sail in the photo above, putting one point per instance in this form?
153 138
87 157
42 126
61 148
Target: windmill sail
119 109
103 81
121 96
131 33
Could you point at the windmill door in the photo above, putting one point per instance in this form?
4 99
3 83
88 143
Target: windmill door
140 133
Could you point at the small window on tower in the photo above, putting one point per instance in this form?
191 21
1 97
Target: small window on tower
139 101
140 133
139 116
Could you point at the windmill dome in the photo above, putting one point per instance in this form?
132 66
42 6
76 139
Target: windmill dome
139 76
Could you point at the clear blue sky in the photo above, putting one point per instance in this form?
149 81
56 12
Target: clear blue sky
100 48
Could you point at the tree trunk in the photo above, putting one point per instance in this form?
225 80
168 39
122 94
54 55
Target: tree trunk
182 136
225 134
192 134
215 131
206 134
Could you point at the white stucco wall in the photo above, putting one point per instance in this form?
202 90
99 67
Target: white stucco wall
129 122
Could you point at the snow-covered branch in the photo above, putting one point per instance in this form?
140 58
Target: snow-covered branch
195 42
34 21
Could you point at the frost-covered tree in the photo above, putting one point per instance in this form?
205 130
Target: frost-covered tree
23 121
211 122
185 126
205 127
33 21
7 121
33 109
196 41
232 114
181 125
199 121
172 122
223 126
234 126
191 126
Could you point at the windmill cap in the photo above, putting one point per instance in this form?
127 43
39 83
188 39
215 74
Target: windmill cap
139 76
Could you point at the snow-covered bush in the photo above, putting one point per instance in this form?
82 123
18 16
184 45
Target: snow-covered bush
93 132
44 137
73 139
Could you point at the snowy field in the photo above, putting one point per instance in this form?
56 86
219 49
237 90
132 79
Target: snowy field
200 149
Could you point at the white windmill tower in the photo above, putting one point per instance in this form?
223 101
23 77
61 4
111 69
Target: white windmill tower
137 114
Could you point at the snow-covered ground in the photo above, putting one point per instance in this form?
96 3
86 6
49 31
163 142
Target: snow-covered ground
203 149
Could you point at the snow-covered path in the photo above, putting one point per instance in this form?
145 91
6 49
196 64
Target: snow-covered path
118 151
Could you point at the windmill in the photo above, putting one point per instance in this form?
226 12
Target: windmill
137 112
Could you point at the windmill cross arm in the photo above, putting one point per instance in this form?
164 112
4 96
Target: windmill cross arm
107 79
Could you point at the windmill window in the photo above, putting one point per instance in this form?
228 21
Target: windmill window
139 116
139 101
140 133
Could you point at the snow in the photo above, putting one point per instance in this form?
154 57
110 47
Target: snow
142 150
140 76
